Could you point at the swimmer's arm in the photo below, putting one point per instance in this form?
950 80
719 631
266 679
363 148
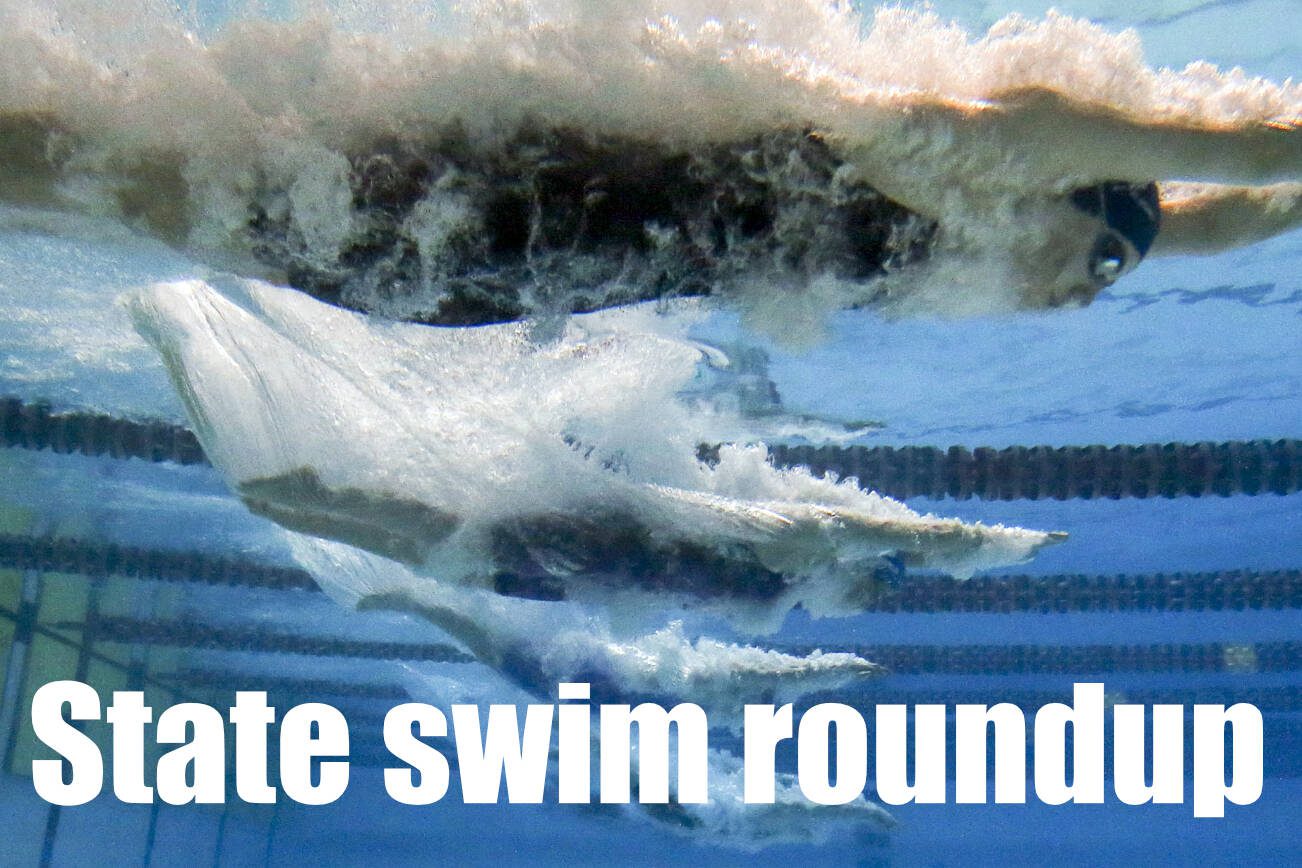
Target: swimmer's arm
1107 143
1058 138
1208 218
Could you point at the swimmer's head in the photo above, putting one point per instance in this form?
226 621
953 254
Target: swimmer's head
1099 234
1131 215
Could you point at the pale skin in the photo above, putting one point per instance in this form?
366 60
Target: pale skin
1209 218
1052 138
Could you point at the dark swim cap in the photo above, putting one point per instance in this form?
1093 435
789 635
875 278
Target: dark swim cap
1132 210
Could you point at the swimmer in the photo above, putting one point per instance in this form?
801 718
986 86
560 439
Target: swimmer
541 219
1110 188
564 222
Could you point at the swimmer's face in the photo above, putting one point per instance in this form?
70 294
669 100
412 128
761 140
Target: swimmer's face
1095 237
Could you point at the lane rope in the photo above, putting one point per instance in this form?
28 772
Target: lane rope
1016 473
1166 592
899 659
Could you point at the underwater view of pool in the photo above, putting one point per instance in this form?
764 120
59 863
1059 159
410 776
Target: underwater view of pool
721 352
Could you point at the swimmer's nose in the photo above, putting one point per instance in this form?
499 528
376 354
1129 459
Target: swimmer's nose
1081 294
1057 298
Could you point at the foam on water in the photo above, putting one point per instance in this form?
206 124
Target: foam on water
536 645
468 452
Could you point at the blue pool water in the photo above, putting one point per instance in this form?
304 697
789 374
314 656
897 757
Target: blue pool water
1184 350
